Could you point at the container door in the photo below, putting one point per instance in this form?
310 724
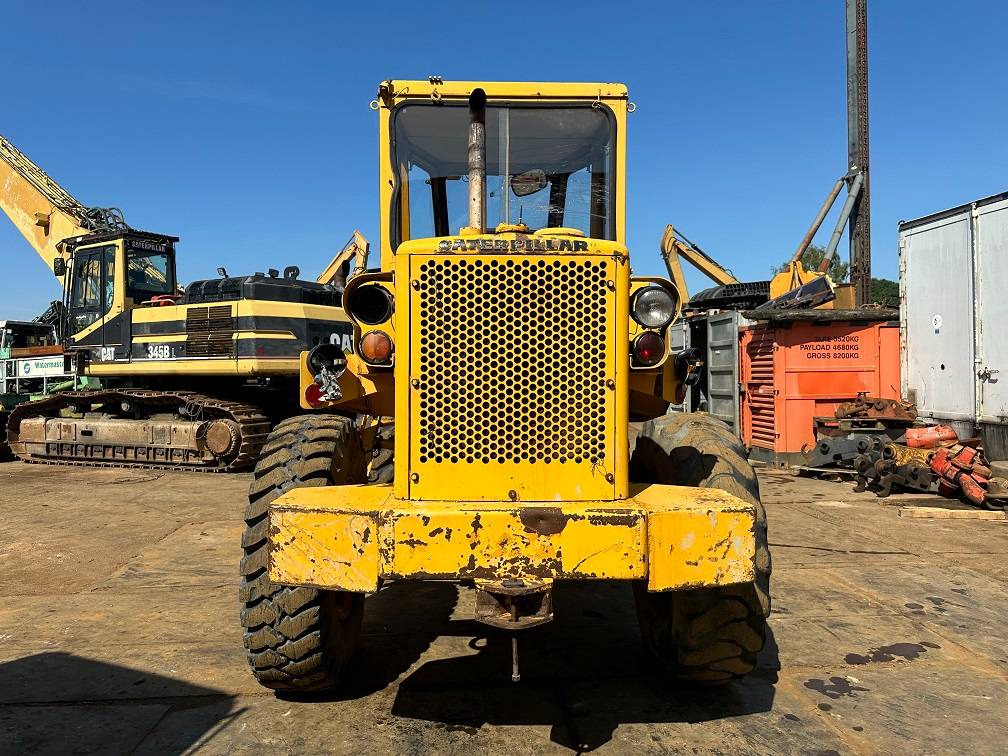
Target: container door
937 282
991 266
679 339
722 368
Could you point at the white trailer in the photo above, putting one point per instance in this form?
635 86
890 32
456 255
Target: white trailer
954 318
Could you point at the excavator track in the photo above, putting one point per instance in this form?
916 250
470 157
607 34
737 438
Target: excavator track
168 430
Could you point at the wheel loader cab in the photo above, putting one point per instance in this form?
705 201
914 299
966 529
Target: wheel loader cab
509 344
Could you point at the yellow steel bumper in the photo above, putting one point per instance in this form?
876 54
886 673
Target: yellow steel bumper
349 537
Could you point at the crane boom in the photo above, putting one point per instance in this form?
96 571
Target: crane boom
43 211
674 246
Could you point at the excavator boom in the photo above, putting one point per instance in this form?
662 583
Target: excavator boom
43 211
675 246
356 249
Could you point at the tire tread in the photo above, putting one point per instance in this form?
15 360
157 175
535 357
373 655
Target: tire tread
704 635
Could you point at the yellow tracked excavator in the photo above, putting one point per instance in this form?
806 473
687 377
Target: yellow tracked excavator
191 377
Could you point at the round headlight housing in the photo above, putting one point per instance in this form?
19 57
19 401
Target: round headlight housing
653 306
329 356
370 304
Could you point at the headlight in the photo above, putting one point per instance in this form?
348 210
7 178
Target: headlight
369 304
328 356
653 306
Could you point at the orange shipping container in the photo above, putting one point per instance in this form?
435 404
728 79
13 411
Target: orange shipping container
795 370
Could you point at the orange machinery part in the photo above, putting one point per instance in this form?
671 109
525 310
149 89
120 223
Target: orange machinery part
930 437
792 374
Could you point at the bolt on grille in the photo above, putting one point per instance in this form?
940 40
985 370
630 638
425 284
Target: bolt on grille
512 360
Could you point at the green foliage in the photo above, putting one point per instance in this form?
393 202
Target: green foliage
838 269
885 292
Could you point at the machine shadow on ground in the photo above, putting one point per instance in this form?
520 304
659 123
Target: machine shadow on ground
583 675
395 634
57 702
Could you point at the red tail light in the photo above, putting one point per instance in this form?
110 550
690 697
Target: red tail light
648 349
313 395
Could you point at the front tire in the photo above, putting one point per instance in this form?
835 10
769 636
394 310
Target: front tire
704 635
297 638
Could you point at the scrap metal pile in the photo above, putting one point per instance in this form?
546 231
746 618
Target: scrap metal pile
887 450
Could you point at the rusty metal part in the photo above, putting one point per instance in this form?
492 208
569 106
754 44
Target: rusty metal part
893 465
868 407
514 604
966 469
842 450
857 146
166 429
222 437
864 469
350 537
912 476
515 674
901 455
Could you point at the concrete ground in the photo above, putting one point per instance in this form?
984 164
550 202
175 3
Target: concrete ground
119 634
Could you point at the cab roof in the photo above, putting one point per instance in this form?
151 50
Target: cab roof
408 88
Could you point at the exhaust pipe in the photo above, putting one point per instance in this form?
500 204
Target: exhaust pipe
477 160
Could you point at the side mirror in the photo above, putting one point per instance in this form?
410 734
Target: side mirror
59 267
530 182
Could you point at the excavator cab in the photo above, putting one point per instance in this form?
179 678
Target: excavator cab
107 275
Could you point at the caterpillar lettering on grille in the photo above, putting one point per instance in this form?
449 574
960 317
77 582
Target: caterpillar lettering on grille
512 361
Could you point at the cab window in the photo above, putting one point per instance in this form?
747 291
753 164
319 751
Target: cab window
93 286
547 167
147 274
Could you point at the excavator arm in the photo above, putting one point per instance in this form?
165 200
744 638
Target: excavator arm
357 250
675 246
47 215
43 211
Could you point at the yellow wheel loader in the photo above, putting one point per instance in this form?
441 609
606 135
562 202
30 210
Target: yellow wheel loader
511 347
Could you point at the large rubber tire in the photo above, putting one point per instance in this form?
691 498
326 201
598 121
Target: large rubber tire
296 638
381 468
706 635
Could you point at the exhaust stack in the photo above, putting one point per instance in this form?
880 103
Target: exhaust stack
477 160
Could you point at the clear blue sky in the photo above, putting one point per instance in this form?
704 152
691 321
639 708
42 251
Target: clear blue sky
244 128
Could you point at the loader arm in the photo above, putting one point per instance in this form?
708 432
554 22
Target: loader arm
675 246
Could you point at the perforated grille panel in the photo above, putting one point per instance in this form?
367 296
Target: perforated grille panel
513 360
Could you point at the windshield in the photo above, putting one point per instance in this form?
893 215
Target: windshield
148 273
560 159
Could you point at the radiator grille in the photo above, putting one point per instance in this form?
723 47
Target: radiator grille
210 331
512 360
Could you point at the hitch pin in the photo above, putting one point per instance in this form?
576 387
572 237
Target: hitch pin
515 675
